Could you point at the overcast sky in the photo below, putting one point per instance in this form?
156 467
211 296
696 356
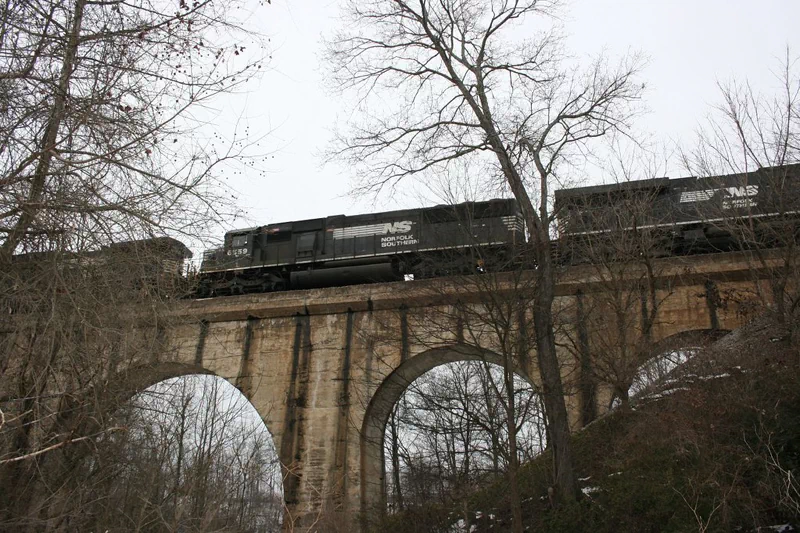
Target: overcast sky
690 45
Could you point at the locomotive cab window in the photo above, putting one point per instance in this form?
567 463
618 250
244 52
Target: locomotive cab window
239 241
305 244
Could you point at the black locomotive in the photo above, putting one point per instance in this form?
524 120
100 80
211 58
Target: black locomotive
684 215
342 250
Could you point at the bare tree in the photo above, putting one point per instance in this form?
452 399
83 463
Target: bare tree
484 318
443 84
754 139
70 326
617 235
185 436
100 102
99 145
450 427
501 320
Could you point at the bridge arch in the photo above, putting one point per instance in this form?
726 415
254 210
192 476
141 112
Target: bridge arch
122 385
670 353
687 338
240 424
388 393
135 379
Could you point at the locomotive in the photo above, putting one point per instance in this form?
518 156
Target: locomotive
344 250
685 215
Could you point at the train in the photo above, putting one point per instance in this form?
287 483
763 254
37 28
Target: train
683 215
374 247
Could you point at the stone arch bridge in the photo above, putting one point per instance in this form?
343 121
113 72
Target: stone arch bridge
324 366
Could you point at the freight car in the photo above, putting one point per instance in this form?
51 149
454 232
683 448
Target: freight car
342 250
684 215
134 268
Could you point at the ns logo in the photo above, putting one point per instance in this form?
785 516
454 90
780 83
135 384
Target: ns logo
392 228
742 192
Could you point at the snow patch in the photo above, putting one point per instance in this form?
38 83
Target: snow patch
664 393
461 527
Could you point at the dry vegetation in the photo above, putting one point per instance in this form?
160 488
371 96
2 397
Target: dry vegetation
92 103
93 98
714 448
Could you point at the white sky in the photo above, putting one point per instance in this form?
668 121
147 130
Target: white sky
691 44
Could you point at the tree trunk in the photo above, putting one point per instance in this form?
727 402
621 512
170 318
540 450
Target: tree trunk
566 485
47 146
398 491
513 456
537 221
624 398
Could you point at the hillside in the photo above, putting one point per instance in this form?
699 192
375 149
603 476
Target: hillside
715 448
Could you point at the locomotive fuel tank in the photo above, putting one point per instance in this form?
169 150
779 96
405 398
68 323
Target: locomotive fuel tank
347 273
